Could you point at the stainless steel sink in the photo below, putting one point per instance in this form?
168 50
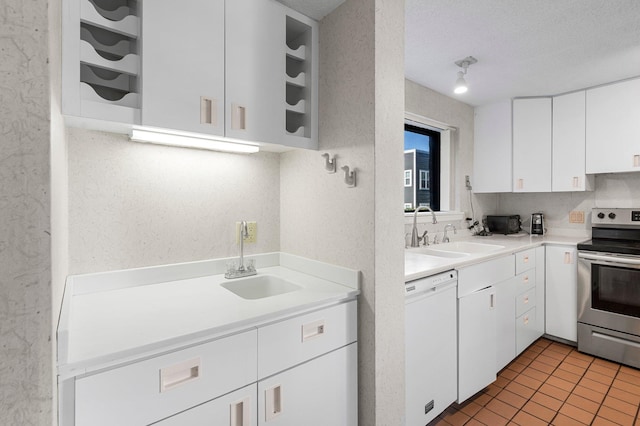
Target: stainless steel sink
438 253
467 247
260 286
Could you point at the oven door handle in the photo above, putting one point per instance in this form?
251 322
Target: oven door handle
615 260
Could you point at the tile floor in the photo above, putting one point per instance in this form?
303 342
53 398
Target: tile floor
553 383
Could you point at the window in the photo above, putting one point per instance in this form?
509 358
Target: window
407 178
422 156
424 180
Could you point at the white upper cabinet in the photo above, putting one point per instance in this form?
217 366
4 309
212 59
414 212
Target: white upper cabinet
568 159
255 70
101 61
532 145
492 148
613 128
183 63
240 69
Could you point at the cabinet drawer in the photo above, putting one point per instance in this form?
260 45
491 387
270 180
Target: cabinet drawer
292 341
525 260
150 390
235 409
526 280
475 277
526 330
525 301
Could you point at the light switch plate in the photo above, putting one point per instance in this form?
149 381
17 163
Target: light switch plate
252 229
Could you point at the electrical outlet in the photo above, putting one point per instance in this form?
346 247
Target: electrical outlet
467 182
576 216
252 230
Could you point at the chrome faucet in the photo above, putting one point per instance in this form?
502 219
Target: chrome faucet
445 238
241 270
415 239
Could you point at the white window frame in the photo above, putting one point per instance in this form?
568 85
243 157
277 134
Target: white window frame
447 211
408 206
408 178
424 173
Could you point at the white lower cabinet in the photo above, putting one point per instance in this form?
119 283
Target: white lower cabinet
477 323
300 370
147 391
476 342
561 318
505 325
319 392
526 330
237 408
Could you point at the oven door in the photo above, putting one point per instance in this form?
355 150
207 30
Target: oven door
609 291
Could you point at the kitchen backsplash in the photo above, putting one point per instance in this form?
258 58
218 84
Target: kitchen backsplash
611 190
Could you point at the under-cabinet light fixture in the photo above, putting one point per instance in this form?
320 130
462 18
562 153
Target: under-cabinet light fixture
461 84
186 140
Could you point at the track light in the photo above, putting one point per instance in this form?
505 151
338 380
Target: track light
461 83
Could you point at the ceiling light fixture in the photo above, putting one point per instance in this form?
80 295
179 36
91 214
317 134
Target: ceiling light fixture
461 84
187 140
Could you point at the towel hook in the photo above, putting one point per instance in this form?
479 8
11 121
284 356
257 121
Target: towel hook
329 163
349 177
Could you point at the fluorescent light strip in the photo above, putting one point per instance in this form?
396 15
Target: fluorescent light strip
187 141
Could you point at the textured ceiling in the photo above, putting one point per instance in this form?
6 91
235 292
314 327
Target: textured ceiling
523 47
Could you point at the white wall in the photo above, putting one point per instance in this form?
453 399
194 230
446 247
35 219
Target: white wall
361 117
133 205
25 251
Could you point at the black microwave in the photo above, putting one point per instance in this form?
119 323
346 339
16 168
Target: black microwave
504 224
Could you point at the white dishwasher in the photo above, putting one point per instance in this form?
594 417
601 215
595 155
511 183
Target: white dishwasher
430 346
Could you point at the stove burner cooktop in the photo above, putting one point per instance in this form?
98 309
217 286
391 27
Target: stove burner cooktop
614 231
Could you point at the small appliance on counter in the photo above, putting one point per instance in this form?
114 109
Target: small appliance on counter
537 224
504 224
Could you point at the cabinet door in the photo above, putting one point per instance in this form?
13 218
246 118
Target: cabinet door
255 70
532 145
561 292
505 322
613 128
540 289
568 171
476 342
320 392
492 148
237 408
183 62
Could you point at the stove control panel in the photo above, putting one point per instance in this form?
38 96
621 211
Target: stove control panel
611 216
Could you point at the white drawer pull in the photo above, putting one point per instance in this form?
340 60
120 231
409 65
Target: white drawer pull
525 259
567 258
238 117
273 403
241 413
179 374
526 320
525 279
208 111
636 161
312 330
526 300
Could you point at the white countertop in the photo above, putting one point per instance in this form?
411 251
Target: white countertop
116 317
418 265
